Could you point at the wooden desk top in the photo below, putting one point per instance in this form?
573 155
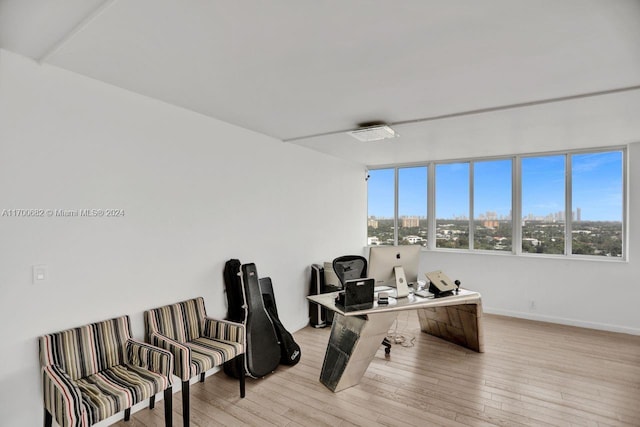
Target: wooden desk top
412 302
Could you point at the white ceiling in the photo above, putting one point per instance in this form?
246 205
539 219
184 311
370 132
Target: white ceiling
447 73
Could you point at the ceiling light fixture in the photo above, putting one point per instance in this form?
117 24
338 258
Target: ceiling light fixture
373 133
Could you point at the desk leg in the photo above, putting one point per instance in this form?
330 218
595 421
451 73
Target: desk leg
353 343
459 324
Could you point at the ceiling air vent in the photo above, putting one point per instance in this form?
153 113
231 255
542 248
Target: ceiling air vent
373 133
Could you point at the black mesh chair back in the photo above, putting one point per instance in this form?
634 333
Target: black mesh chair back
349 267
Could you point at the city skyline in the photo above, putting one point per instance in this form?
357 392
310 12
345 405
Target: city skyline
596 188
576 215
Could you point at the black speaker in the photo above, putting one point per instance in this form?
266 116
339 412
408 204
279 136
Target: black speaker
317 314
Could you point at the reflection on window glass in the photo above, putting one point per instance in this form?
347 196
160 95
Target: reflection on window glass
492 205
543 204
452 205
381 200
412 206
597 189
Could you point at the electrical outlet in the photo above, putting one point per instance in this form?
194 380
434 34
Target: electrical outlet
40 274
532 305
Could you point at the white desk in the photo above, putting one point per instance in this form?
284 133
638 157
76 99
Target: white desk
357 335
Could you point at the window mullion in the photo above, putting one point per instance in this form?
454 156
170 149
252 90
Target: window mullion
568 211
431 206
395 205
471 209
516 206
625 206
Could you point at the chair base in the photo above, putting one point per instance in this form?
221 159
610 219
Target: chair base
242 373
168 410
48 419
168 407
387 347
185 403
185 391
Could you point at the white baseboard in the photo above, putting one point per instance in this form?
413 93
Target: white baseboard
563 321
300 326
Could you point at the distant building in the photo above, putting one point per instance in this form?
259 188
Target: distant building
373 223
410 221
490 224
373 241
491 215
413 239
581 231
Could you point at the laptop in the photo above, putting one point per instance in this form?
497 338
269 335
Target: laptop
357 295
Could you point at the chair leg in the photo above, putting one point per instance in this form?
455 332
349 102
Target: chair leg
185 403
152 402
127 414
168 407
387 347
202 377
241 363
48 419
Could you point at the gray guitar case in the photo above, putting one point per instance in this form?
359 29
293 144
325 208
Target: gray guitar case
263 348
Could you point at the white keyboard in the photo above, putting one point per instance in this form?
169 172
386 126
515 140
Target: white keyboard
423 293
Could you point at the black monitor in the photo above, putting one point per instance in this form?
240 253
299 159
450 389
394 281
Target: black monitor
395 266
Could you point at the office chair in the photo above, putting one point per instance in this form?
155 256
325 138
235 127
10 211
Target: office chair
349 267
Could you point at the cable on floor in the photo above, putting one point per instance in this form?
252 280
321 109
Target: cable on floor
396 337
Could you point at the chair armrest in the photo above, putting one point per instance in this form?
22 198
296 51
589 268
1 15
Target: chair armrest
62 397
181 354
152 358
224 330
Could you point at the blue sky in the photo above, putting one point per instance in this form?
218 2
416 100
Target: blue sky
596 179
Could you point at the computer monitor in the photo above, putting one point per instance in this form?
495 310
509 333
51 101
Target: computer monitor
395 266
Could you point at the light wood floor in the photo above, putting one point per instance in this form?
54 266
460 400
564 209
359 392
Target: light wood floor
531 374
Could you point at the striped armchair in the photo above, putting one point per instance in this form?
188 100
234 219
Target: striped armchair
198 343
94 371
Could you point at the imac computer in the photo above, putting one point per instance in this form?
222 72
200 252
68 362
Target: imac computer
394 266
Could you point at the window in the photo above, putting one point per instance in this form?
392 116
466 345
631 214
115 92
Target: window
596 180
452 205
492 227
543 204
569 203
412 206
381 207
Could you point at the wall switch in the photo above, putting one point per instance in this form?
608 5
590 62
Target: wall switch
40 274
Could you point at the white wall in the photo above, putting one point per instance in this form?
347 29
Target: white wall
596 294
195 191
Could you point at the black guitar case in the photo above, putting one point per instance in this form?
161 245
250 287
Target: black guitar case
263 348
233 289
289 349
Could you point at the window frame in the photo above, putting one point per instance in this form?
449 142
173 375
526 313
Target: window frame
516 202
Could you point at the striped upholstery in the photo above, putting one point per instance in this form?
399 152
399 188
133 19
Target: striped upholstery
181 322
86 350
198 343
207 353
95 371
